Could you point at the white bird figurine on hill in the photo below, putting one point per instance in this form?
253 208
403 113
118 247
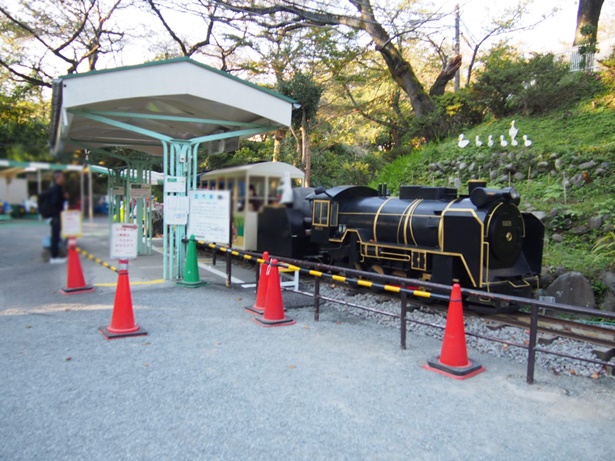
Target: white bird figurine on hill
503 141
478 141
462 142
514 142
513 130
526 141
490 141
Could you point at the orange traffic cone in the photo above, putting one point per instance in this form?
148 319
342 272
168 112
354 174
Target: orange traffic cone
453 360
274 307
75 282
122 320
261 292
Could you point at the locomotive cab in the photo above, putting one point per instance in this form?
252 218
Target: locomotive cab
324 220
326 223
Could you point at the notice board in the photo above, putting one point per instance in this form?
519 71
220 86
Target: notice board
210 215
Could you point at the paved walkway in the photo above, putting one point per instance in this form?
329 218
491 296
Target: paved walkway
208 383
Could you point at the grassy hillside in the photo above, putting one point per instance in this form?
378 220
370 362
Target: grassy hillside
562 142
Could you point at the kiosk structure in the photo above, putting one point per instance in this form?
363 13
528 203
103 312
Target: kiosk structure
162 113
251 187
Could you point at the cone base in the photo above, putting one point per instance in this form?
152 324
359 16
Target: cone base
255 309
73 291
200 283
472 369
274 323
114 335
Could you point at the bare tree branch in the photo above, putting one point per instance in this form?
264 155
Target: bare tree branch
24 77
400 69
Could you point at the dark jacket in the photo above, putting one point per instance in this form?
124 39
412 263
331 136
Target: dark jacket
56 198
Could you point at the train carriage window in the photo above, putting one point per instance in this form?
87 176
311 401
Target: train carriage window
273 197
333 217
321 213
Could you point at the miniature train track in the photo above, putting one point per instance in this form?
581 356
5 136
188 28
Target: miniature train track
593 334
547 326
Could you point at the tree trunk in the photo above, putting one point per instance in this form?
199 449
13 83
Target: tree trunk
401 70
587 15
447 74
278 137
305 151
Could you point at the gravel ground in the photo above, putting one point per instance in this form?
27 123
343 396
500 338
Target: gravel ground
208 383
555 364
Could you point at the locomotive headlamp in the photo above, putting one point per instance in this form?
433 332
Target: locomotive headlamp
514 195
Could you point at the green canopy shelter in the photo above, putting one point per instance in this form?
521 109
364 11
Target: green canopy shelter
165 111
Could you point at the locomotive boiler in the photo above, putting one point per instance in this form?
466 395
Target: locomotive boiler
480 240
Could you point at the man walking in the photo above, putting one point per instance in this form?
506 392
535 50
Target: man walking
56 201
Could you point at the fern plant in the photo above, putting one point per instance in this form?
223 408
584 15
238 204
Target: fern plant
605 246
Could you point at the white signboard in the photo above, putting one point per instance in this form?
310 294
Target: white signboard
140 191
176 210
174 184
117 190
210 215
71 223
124 241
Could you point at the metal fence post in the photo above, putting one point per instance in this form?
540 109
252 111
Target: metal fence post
531 350
404 321
316 299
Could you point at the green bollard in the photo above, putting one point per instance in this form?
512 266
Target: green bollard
191 271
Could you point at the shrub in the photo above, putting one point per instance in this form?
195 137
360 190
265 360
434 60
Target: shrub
459 109
509 84
500 79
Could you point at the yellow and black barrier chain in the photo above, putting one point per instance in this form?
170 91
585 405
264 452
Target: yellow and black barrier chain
91 257
365 283
337 278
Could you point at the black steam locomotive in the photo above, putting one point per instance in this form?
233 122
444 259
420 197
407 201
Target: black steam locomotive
480 240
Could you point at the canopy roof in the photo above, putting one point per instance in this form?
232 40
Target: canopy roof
10 168
269 169
155 177
140 107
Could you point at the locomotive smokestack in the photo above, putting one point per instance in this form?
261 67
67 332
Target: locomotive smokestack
474 183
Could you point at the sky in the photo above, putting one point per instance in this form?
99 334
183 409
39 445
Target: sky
555 34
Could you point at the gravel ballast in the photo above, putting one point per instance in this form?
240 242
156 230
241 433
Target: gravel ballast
425 315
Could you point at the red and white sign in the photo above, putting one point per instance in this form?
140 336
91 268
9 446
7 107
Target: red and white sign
71 223
124 241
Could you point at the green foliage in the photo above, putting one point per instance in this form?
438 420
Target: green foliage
571 135
605 246
541 88
510 84
303 89
500 78
608 76
341 164
553 192
23 128
605 207
249 152
458 110
589 43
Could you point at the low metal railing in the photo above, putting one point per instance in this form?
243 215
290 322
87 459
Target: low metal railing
405 287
